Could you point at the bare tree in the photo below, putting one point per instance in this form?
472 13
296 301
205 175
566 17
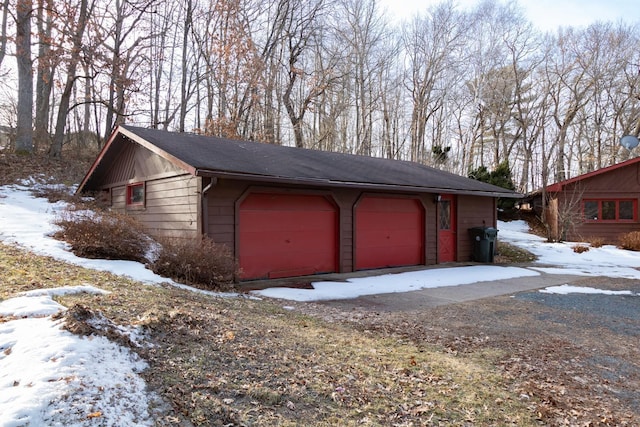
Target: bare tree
364 35
302 45
162 56
433 45
77 29
569 92
234 70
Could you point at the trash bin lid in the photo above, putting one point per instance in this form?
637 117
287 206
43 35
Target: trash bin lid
491 232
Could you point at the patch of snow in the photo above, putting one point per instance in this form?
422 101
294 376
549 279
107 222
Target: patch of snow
33 306
49 376
559 258
65 290
400 282
569 289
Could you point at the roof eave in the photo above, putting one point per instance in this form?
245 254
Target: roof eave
96 162
155 149
361 185
123 131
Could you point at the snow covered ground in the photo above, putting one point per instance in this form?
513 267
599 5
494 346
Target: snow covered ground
49 376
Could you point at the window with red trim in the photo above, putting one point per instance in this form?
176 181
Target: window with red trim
135 194
610 210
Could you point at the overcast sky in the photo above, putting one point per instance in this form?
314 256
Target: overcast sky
545 14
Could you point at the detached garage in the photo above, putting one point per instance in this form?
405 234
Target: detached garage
287 211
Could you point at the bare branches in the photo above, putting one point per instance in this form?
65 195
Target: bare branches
479 84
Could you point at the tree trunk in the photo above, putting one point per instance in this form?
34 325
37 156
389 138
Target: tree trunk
24 125
44 80
184 86
3 30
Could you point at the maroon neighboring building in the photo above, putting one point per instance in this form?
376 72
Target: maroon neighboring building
601 204
288 211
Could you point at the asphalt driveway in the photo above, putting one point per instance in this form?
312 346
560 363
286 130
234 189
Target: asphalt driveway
434 297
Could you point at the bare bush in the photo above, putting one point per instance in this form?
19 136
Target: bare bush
200 263
103 234
595 242
580 249
55 193
630 241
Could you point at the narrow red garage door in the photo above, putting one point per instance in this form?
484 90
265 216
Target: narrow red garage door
284 235
389 232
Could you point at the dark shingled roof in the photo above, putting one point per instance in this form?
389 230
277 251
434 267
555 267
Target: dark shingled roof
210 156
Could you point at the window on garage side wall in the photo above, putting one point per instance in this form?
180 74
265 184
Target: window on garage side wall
135 194
613 210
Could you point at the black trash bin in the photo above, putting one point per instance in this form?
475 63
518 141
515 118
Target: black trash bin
484 241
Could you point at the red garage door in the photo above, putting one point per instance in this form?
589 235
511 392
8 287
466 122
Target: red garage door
284 235
389 232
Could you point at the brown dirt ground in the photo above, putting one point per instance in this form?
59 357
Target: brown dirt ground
579 360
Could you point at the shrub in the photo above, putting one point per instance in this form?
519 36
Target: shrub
630 241
580 249
103 234
55 193
596 242
200 263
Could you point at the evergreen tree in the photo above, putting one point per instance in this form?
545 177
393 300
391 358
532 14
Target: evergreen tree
501 177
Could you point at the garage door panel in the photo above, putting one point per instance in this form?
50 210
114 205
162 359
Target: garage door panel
286 221
286 242
386 204
286 202
285 235
389 232
399 220
396 256
406 237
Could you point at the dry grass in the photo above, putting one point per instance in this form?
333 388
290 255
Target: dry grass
68 171
577 367
595 242
630 241
512 254
246 362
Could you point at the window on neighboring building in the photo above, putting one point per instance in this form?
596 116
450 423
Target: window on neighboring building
626 210
610 210
135 194
591 210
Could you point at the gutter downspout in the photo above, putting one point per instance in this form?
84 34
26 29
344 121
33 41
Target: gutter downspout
205 205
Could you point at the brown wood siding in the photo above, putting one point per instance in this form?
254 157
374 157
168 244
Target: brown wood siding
171 207
622 183
172 197
221 210
118 198
473 212
431 228
224 196
135 162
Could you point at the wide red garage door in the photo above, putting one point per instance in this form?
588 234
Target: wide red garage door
284 235
389 232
